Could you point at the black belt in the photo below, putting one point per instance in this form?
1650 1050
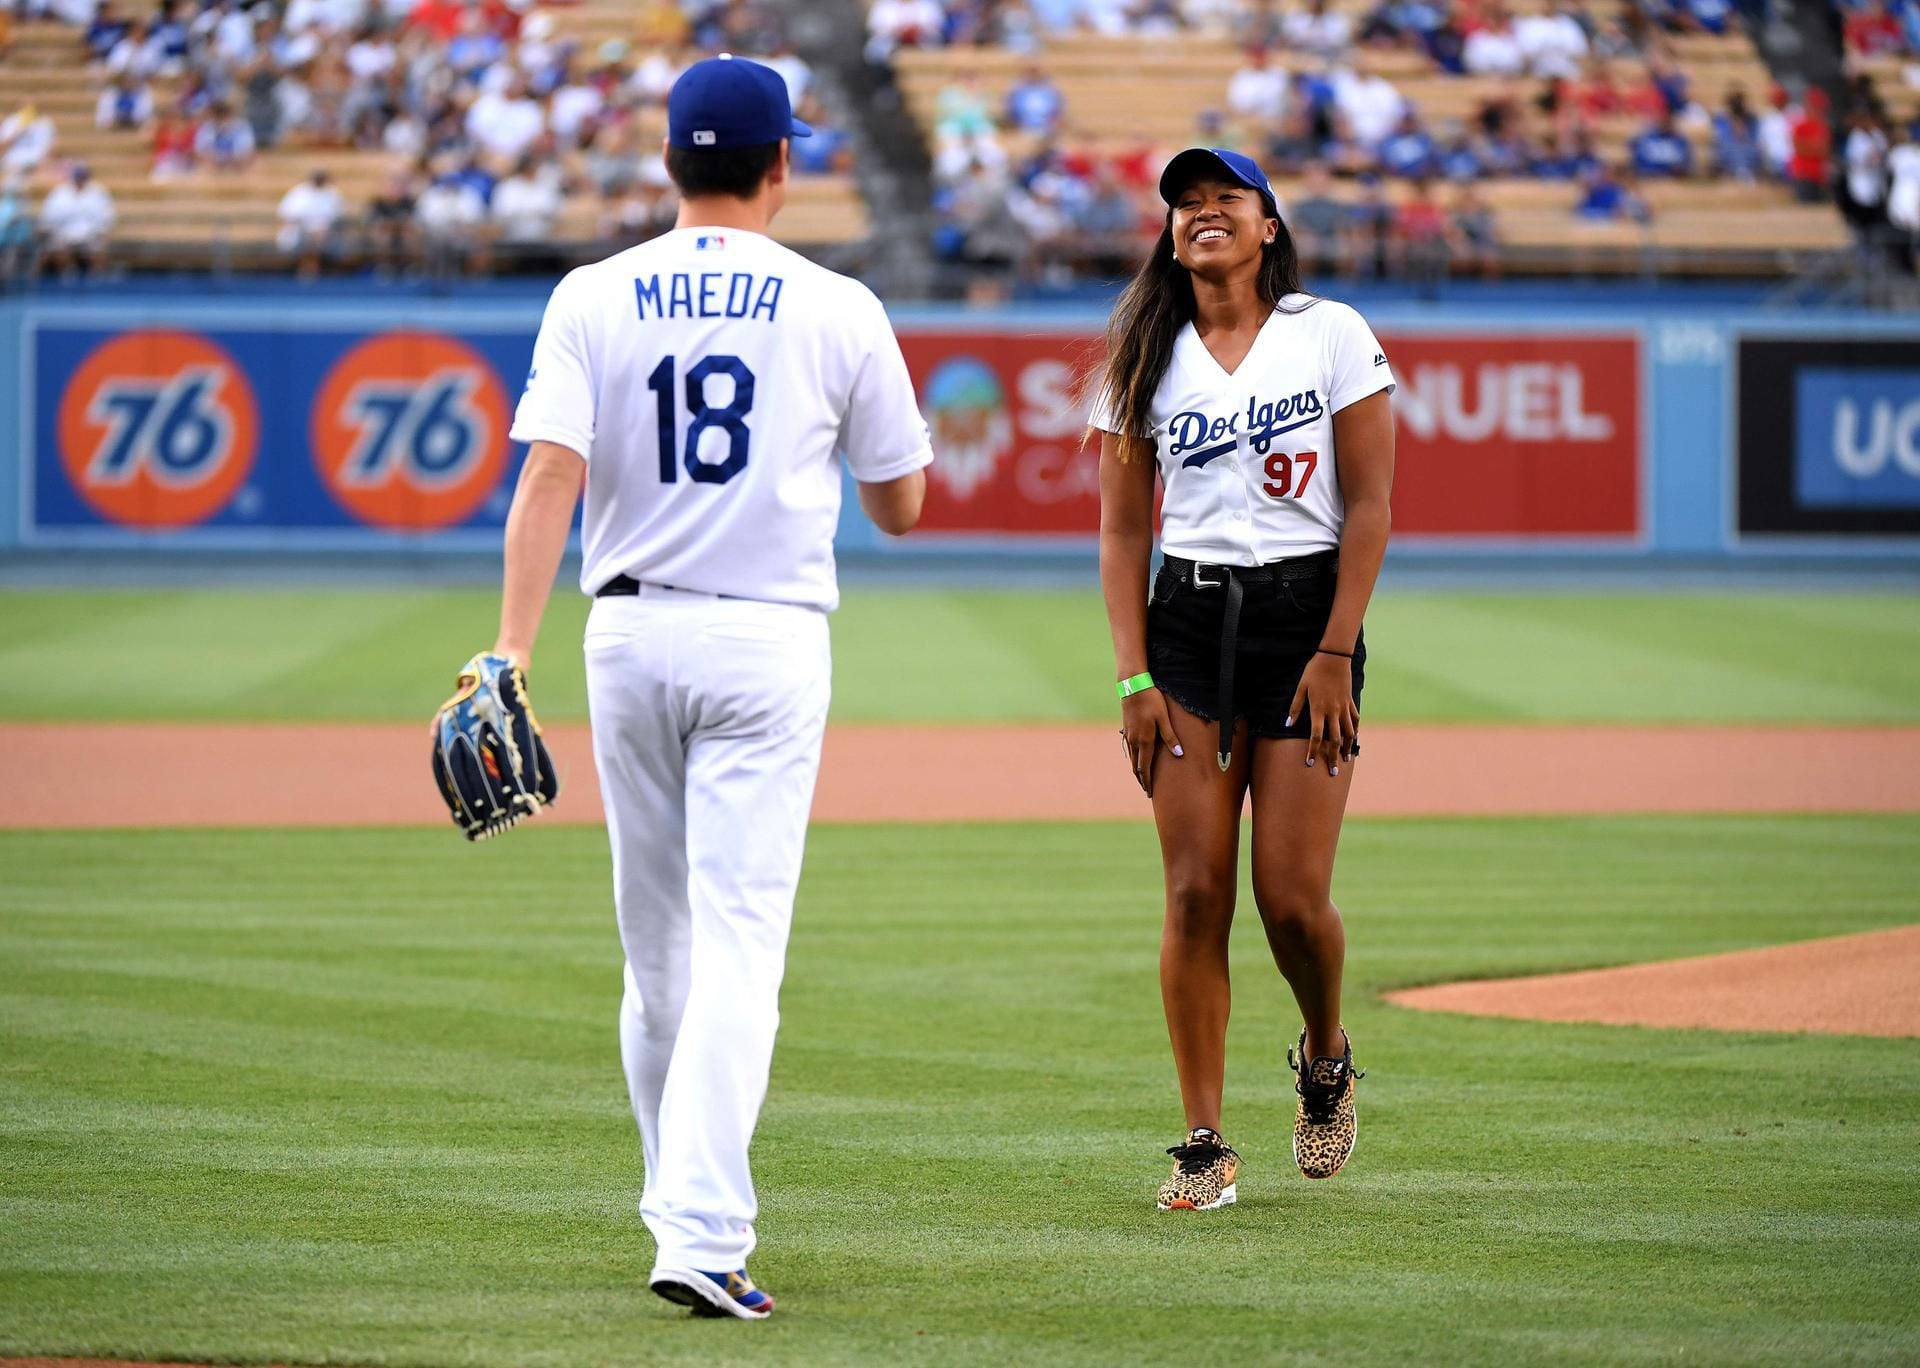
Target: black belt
1229 655
1206 575
626 586
1235 579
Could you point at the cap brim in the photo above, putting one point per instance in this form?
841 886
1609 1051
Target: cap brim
1189 166
801 130
1196 162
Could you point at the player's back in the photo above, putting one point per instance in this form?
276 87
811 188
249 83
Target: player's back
709 376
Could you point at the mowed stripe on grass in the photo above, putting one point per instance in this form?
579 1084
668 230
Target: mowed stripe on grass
937 656
355 1097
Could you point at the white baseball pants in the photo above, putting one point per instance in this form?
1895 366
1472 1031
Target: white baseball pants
707 720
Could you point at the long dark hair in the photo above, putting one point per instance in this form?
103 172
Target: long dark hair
1155 306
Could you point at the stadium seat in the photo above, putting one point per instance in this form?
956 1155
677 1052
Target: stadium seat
48 69
1121 92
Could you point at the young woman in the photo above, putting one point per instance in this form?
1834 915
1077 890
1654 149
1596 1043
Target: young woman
1264 411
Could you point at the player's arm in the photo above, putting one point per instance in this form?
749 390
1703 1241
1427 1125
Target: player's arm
1363 451
894 505
556 419
1126 549
537 527
884 438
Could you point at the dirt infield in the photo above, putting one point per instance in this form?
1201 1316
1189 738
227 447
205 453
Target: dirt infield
133 774
1849 985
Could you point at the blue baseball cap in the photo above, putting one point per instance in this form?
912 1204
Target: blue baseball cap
1190 165
727 101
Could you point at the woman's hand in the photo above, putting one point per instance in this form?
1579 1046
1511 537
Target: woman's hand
1146 725
1326 691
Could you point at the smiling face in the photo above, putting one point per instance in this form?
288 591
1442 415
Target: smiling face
1220 227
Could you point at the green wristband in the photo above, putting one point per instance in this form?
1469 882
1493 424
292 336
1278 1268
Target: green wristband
1127 688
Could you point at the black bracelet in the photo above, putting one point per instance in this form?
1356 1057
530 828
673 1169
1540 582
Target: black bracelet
1323 650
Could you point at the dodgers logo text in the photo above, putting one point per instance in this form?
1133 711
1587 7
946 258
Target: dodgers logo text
1196 438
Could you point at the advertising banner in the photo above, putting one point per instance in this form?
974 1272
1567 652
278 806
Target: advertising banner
1007 429
1500 435
1829 436
1516 435
248 430
293 434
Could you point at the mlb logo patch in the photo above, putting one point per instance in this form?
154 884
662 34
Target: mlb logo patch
710 242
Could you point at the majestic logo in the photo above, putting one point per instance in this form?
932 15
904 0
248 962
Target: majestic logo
158 429
409 431
966 411
1198 438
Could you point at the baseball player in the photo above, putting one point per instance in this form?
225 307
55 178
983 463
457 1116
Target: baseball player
703 385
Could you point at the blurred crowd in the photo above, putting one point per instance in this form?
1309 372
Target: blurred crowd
494 123
1387 188
1878 187
1443 27
498 132
1880 28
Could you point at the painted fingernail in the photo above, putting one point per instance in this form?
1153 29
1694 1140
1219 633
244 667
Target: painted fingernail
1289 721
1309 762
1178 751
1335 771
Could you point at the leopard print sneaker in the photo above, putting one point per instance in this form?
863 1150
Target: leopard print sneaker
1324 1126
1203 1172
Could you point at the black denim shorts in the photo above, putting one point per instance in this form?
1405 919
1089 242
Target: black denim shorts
1282 622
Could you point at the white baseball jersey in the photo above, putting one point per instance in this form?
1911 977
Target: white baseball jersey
709 377
1247 458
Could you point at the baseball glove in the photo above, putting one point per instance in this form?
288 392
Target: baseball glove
488 759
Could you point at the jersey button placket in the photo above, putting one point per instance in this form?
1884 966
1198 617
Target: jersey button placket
1245 516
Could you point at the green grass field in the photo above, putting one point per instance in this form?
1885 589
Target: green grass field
355 1097
304 1097
902 656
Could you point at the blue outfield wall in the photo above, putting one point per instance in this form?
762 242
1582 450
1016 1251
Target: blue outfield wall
365 423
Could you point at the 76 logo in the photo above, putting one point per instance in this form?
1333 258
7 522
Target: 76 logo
427 432
1281 469
176 429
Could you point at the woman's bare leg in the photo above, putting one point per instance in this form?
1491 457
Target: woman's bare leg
1297 812
1197 810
